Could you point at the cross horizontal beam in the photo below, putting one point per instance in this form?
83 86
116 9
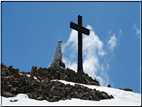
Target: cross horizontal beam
79 28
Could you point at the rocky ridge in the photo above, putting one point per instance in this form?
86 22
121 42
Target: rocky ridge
38 84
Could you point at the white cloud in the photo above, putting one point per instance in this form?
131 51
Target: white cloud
109 32
120 32
134 27
112 43
138 32
93 52
92 44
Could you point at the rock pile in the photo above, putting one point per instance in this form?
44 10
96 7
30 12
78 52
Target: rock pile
63 74
38 84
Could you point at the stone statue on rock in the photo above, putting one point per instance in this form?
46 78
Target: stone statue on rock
57 60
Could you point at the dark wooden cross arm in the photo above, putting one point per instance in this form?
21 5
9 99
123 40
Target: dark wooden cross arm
77 27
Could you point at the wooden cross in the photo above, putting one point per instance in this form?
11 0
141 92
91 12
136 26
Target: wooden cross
80 30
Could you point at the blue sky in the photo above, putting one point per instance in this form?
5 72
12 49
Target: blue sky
31 31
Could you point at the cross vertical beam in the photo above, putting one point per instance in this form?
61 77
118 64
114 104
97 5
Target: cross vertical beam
80 61
80 30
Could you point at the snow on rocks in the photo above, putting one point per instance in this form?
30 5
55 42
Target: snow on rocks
121 98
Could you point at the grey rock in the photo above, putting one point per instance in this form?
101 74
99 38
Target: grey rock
5 71
13 89
38 80
69 97
34 70
76 94
109 85
45 81
55 98
63 76
13 100
7 94
80 95
39 98
85 98
105 95
126 89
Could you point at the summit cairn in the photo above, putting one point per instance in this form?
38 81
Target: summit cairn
45 84
57 60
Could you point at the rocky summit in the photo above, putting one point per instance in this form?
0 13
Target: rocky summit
39 84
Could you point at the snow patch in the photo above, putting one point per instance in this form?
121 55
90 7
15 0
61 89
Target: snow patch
35 77
29 76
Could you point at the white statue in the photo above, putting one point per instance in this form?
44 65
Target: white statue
57 60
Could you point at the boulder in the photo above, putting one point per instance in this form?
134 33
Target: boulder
63 76
39 98
80 95
126 89
109 85
7 94
69 97
5 70
13 71
55 98
34 70
13 100
104 95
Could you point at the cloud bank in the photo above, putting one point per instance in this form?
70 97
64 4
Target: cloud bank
93 52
